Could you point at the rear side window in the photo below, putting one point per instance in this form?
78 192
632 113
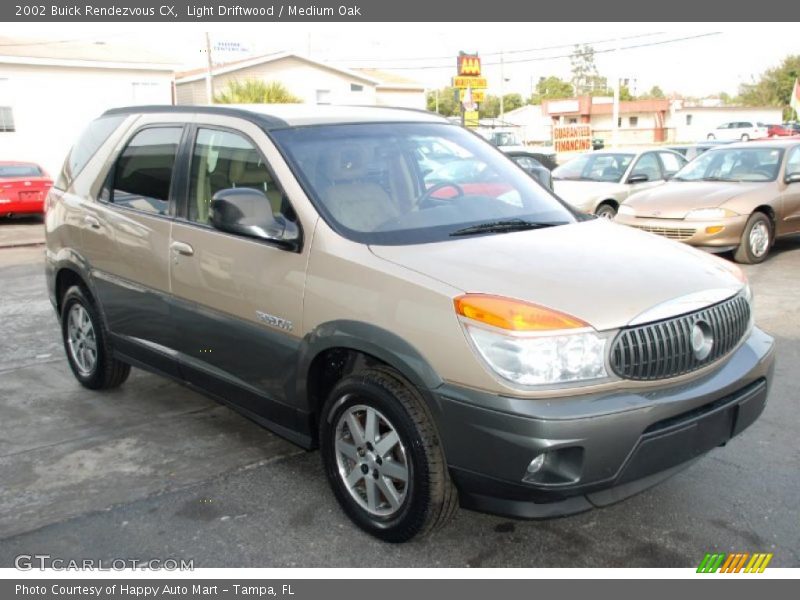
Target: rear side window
143 173
87 145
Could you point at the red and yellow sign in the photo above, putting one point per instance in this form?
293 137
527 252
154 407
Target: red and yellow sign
572 138
469 65
476 83
477 95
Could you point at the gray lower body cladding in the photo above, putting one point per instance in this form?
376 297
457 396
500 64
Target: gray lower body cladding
599 448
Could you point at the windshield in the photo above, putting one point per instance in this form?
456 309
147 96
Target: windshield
604 166
733 164
504 138
375 184
20 171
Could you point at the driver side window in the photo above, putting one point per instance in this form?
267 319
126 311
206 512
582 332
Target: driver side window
223 160
648 165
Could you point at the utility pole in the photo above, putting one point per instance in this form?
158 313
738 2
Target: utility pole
209 74
502 87
615 109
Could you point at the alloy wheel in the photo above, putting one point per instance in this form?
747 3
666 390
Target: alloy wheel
371 460
81 339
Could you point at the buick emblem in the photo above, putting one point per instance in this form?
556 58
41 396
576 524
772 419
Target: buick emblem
702 340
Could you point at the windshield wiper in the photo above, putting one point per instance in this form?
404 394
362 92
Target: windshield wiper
503 227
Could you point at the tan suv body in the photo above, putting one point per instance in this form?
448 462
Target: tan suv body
472 340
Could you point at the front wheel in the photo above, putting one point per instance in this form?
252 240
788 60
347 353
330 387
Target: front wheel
745 137
756 240
86 343
711 136
383 458
606 211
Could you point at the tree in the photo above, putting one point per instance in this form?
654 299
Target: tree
490 108
256 91
512 102
448 105
551 88
774 86
585 78
655 93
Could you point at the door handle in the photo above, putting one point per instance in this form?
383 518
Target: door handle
182 248
91 222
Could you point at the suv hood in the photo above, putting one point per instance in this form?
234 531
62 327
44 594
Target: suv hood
674 199
603 273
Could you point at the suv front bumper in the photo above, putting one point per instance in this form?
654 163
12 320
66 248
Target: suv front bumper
599 448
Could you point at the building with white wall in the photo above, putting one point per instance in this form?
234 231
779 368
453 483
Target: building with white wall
694 122
312 81
49 91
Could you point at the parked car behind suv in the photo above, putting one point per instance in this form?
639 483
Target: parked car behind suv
468 347
23 188
739 131
736 198
598 182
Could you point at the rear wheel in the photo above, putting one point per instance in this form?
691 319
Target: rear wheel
382 456
711 136
86 343
756 240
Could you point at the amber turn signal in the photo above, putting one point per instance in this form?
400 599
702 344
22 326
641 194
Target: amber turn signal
714 229
514 315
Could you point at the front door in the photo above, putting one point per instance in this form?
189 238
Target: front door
237 300
789 219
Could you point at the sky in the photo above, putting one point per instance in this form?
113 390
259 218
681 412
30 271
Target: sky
718 57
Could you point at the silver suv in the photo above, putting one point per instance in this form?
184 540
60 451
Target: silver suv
472 340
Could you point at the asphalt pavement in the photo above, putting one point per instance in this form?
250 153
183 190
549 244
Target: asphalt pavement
153 470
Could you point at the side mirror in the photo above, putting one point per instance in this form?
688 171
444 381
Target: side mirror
248 212
792 178
638 178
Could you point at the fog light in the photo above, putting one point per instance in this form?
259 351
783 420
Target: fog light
536 464
714 229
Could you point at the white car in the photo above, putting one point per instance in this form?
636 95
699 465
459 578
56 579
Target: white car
598 182
740 131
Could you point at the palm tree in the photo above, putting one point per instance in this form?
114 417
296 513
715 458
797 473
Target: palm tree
256 91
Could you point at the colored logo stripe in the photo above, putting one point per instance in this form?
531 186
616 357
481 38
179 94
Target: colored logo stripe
734 562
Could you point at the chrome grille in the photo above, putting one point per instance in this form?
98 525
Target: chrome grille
672 233
664 348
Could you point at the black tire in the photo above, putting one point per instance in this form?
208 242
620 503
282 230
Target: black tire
745 253
606 211
745 137
107 371
430 496
711 136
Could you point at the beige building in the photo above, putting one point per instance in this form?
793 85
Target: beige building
310 80
50 89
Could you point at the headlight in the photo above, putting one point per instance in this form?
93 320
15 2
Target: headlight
530 345
624 209
706 214
543 359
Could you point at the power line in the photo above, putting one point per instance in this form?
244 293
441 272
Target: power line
542 58
498 53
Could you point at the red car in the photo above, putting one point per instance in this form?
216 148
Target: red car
23 188
783 130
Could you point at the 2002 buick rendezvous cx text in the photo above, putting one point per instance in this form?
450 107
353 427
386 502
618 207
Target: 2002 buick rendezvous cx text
473 340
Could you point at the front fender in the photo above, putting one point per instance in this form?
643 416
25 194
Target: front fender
369 339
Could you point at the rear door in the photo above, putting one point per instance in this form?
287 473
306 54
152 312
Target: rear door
237 300
126 241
